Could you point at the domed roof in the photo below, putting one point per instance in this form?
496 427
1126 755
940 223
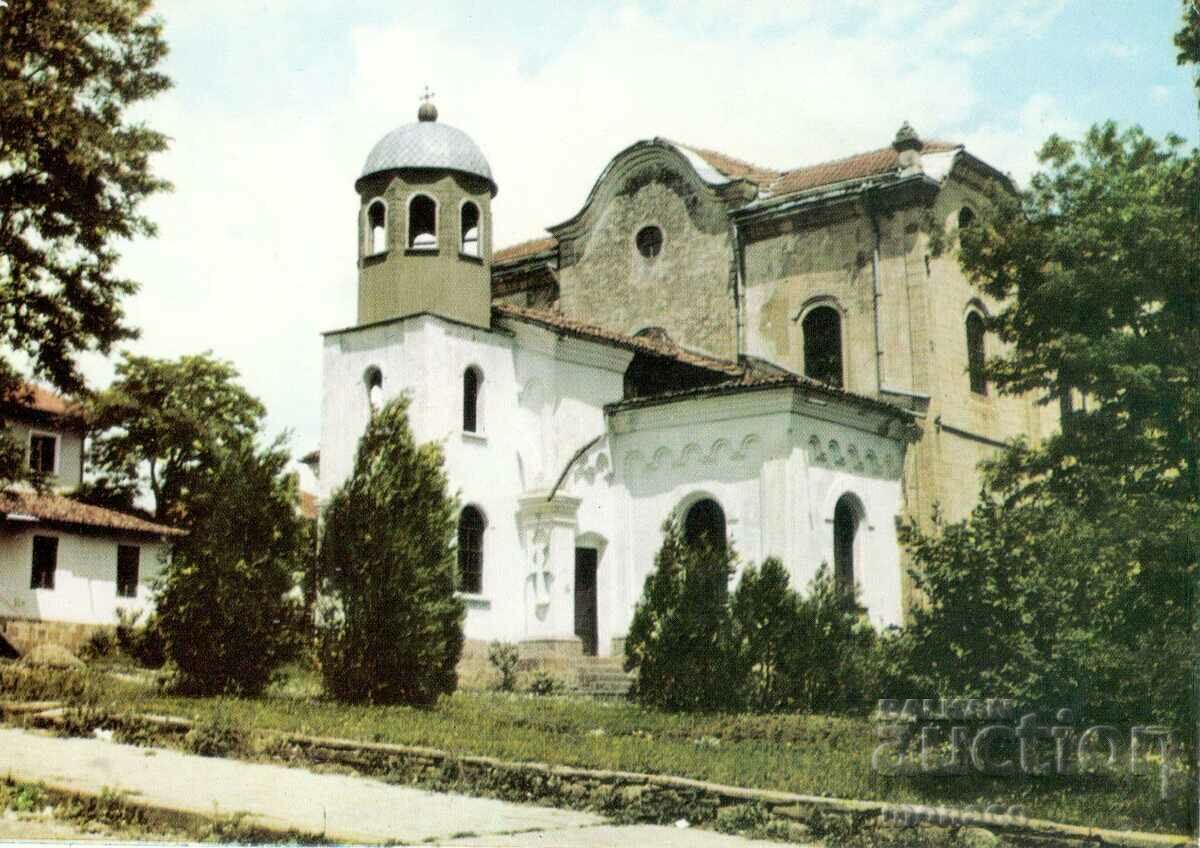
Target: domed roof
428 144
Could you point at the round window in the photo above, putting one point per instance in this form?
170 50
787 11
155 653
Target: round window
649 241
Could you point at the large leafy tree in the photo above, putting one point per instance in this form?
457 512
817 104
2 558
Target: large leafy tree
228 611
74 170
1098 263
1188 39
162 426
392 625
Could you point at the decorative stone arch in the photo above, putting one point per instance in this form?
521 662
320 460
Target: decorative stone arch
802 319
375 243
643 155
412 236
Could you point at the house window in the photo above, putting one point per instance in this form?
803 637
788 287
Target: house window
45 562
469 228
43 453
649 241
127 570
422 223
470 550
704 524
846 519
975 353
471 383
377 227
822 329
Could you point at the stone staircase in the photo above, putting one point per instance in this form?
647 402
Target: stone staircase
601 677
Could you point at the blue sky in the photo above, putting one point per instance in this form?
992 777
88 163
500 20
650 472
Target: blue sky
276 104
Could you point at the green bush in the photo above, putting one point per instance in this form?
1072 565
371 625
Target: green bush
504 658
43 683
225 614
142 643
391 625
543 683
680 640
218 735
101 644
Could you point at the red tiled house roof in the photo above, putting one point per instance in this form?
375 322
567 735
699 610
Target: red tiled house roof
56 509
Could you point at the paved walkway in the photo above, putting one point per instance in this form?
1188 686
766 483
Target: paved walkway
342 808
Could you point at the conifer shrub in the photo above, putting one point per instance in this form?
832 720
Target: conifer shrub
391 625
680 641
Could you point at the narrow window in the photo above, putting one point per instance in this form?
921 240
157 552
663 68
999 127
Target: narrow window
469 227
822 329
471 383
377 225
975 353
470 550
42 453
127 570
965 217
422 223
45 562
845 533
374 382
705 524
649 241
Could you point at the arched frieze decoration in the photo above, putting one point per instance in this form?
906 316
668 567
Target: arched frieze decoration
722 450
851 457
595 465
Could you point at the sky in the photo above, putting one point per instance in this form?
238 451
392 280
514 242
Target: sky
276 104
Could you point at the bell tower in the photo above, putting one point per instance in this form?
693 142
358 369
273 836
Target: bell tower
425 225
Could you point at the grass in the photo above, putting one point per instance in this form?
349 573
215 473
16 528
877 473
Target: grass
815 755
809 754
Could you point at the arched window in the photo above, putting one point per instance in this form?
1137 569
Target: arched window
422 223
377 227
373 378
705 524
976 353
469 229
471 382
966 217
846 519
470 550
649 241
822 329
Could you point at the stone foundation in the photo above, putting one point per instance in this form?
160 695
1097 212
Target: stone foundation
23 634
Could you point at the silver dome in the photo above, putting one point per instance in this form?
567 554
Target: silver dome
428 144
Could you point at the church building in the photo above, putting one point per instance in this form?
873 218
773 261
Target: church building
773 357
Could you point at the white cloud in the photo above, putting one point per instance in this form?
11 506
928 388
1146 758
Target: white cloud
1113 50
256 251
1012 145
1160 93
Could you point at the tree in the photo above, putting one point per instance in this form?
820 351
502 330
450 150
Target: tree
1188 39
73 172
164 424
392 625
226 610
1098 263
680 641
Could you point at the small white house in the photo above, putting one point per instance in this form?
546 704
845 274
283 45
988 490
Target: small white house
66 567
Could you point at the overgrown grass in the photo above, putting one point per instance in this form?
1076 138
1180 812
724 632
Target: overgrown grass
816 755
809 754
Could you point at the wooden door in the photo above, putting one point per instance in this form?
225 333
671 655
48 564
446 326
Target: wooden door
585 599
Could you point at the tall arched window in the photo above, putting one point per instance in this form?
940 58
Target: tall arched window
822 329
471 382
470 550
976 353
705 524
377 227
966 217
846 519
373 378
469 229
422 223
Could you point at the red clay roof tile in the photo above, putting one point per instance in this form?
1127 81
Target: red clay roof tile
63 510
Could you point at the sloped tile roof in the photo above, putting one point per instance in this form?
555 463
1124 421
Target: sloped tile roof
526 248
34 397
639 344
58 509
732 167
860 166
